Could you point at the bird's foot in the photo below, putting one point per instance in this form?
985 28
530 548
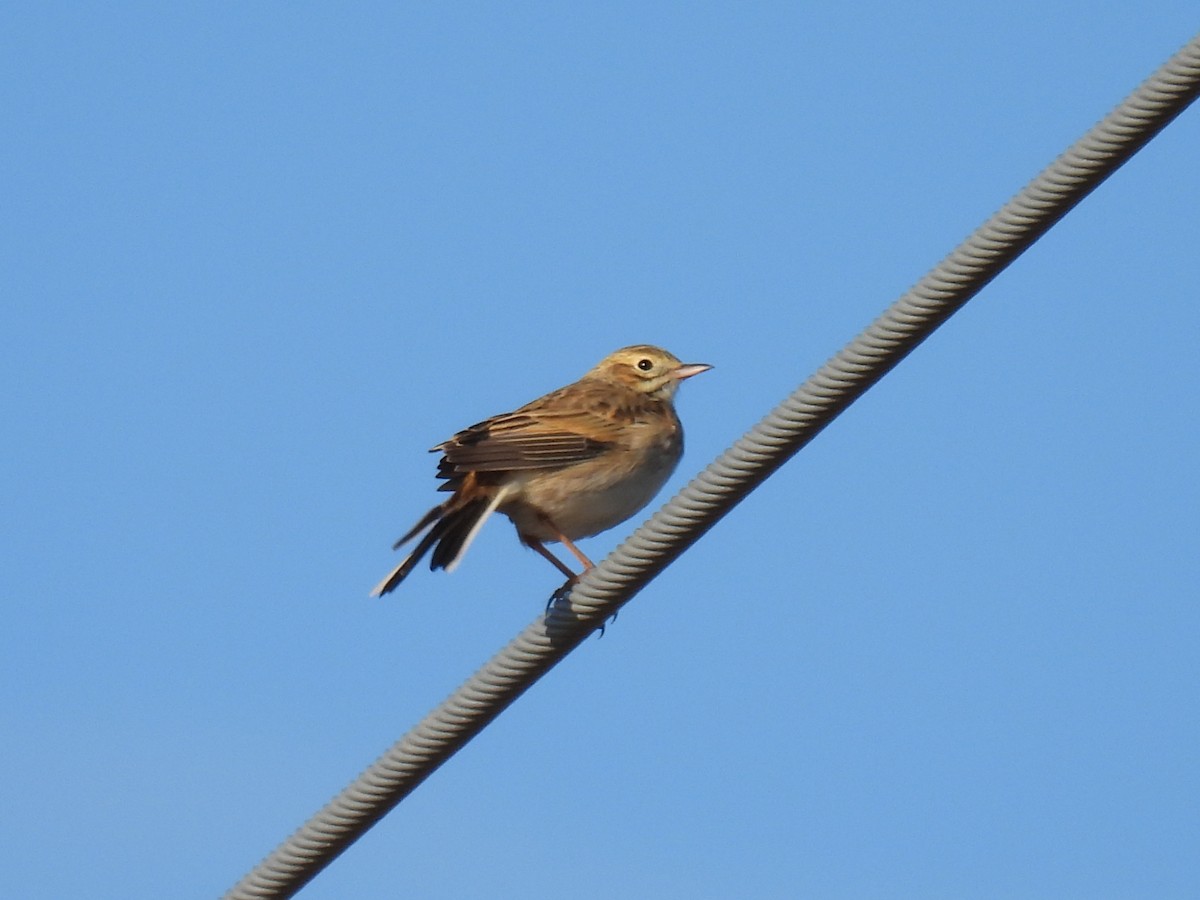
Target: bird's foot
561 593
604 625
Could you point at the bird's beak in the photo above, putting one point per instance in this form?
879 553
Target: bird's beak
687 370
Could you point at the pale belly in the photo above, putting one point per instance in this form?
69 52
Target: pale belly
588 498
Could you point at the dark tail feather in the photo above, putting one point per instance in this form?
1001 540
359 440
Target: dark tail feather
398 574
432 516
451 532
460 527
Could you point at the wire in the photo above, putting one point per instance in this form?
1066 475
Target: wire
652 547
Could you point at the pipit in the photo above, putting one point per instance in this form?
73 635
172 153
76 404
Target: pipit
566 466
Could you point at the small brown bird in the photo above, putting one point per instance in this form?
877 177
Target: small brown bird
566 466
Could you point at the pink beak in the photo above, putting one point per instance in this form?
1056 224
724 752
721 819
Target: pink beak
687 370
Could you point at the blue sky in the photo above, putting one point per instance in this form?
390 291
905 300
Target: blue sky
259 257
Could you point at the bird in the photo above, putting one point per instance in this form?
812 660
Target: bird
566 466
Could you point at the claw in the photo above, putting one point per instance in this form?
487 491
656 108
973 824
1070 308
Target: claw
560 593
604 625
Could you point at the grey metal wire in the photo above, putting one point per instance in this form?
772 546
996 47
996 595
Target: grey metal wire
716 490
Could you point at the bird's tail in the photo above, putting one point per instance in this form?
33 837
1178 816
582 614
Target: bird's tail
454 525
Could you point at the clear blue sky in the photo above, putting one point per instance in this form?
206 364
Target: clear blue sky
259 257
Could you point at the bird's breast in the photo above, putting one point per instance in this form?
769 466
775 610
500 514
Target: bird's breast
595 495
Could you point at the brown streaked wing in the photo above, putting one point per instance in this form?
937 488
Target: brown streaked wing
517 442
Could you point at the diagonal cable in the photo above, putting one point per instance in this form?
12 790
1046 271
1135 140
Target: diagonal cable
726 481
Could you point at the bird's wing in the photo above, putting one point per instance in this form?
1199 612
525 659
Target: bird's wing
520 441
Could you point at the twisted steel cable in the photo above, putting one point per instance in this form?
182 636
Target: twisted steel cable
721 486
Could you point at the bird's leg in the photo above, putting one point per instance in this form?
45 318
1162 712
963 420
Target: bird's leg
561 592
572 578
566 542
584 561
551 558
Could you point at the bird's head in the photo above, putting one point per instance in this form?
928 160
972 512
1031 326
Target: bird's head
648 370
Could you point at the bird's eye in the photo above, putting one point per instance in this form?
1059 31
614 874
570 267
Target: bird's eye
645 364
